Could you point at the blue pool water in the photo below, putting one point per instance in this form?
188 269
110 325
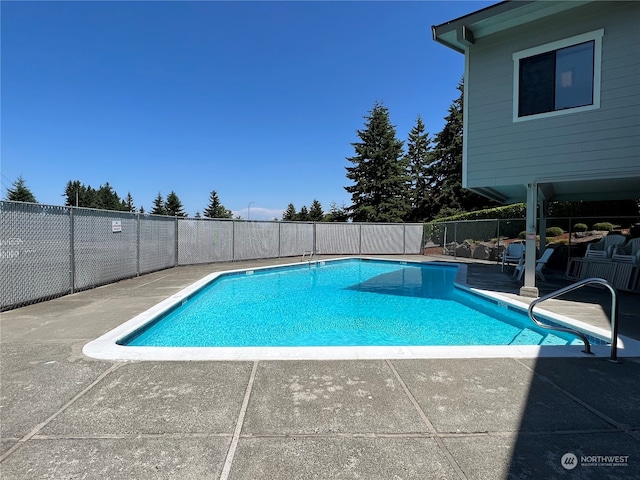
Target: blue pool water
341 303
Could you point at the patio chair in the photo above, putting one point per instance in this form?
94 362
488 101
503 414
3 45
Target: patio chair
627 253
604 248
512 254
540 264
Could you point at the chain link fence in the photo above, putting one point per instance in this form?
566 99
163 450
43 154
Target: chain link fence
486 239
48 251
35 252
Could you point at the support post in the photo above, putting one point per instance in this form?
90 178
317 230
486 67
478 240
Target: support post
529 288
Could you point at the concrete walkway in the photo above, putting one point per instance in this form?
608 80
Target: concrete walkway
64 415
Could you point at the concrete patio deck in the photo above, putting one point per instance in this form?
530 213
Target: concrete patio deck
64 415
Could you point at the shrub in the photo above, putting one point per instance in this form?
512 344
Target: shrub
517 210
604 226
554 231
580 227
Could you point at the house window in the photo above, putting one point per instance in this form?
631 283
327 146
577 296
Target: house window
558 77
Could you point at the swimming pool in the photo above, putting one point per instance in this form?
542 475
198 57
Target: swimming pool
366 293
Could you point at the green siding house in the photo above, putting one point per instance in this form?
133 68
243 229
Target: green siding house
552 104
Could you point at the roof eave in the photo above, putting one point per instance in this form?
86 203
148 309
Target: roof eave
460 33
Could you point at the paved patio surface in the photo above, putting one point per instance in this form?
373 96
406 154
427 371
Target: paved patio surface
64 415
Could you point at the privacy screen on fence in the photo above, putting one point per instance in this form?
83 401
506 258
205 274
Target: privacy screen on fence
48 251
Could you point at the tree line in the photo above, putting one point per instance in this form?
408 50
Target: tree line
419 184
388 183
106 198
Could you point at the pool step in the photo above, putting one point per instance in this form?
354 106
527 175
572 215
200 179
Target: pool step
554 340
529 337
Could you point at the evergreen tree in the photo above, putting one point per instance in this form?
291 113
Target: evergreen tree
418 158
449 197
303 214
106 198
78 195
141 209
379 172
20 192
215 208
315 212
336 213
158 206
289 215
173 206
127 203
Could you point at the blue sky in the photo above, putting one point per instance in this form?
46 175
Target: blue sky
259 101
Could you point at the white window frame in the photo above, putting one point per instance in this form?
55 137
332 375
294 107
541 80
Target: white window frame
596 37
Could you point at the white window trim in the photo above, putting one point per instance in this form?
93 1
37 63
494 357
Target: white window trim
596 36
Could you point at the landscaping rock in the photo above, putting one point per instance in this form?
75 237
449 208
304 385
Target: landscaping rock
481 252
463 251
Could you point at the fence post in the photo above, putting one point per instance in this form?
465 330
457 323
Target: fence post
72 254
233 240
279 239
498 246
404 238
566 268
455 240
177 248
314 244
137 244
360 240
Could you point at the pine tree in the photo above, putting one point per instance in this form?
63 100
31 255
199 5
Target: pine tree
336 213
446 169
77 194
106 198
303 214
418 158
379 172
158 206
173 206
20 192
128 203
289 215
315 212
215 208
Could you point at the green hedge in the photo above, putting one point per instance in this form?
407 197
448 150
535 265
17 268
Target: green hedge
554 231
517 210
604 226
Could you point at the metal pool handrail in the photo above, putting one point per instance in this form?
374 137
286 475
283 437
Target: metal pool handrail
583 337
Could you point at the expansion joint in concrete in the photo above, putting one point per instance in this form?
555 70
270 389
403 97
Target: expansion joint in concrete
443 448
228 462
41 425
